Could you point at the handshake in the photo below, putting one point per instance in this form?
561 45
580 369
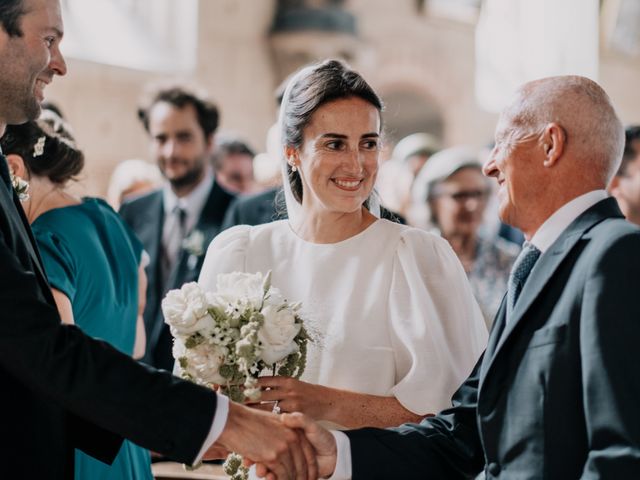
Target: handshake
287 446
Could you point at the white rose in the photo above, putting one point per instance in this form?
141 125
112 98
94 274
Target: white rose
277 334
248 288
204 362
196 298
185 309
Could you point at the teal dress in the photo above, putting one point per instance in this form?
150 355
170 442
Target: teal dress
92 257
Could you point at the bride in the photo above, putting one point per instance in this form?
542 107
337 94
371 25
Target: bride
398 326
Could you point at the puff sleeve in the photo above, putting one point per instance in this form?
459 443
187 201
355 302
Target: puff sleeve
226 253
436 326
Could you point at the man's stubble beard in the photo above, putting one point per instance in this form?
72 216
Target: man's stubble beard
189 179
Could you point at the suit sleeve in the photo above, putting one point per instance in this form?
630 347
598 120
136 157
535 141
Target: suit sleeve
444 447
609 333
91 379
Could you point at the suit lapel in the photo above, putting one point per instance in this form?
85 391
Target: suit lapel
13 207
542 273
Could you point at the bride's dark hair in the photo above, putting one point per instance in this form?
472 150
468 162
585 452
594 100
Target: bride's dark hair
319 84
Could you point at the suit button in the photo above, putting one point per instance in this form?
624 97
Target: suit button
494 469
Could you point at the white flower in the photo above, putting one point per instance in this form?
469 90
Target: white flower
38 148
278 333
185 310
194 243
203 362
241 289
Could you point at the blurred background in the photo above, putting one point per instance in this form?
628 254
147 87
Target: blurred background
442 67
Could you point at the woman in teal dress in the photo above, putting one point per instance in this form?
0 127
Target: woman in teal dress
92 260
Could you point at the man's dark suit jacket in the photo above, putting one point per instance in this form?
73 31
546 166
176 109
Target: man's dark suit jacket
269 206
556 396
255 209
62 390
145 215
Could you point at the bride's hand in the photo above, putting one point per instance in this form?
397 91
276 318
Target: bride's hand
296 396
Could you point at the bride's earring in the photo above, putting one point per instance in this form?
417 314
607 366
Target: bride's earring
294 168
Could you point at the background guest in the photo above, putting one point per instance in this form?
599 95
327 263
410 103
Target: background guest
176 222
453 193
92 260
233 165
131 179
625 186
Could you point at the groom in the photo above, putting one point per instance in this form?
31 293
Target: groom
556 393
60 389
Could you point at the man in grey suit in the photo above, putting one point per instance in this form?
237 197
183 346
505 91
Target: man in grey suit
556 393
177 222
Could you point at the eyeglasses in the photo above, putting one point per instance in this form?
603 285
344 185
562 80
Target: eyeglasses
464 195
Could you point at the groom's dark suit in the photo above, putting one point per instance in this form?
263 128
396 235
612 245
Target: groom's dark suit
62 390
145 216
556 395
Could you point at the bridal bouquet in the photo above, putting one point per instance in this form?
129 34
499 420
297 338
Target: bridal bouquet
227 338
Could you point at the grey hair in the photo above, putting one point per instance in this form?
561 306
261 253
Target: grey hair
583 109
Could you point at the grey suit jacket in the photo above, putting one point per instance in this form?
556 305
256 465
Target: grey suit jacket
556 395
145 216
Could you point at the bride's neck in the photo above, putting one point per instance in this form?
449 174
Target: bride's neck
45 195
331 227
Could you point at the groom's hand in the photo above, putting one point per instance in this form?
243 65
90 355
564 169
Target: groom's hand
261 437
323 441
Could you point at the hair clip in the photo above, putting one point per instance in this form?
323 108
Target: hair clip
38 148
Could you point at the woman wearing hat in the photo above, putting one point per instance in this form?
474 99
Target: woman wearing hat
450 195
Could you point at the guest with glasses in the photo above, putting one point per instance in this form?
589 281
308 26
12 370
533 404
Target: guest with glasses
451 195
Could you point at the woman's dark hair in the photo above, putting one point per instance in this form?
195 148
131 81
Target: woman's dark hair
311 88
180 96
46 146
10 13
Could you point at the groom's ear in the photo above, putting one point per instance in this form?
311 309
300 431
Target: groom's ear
17 166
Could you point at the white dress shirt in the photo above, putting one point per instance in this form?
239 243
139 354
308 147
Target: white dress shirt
548 233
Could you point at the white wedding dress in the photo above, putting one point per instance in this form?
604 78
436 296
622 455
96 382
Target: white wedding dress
391 307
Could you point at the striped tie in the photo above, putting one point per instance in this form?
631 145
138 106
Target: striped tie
519 273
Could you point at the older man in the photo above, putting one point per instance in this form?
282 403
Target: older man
60 389
556 393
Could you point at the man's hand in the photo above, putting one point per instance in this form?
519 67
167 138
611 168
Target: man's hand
322 441
263 438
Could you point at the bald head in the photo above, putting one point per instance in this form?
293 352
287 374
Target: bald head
594 133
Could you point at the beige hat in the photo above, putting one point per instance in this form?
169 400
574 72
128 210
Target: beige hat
416 144
439 167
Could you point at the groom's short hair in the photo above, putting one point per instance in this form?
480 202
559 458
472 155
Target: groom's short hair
10 13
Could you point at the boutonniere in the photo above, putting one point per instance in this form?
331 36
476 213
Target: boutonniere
20 186
194 243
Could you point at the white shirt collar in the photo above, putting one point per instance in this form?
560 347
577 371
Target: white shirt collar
193 203
557 223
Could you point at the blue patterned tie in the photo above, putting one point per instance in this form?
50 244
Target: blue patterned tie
519 273
4 171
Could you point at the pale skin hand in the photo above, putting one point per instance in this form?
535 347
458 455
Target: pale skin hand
262 438
322 441
349 409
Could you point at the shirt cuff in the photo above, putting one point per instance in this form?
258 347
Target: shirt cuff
219 422
343 457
